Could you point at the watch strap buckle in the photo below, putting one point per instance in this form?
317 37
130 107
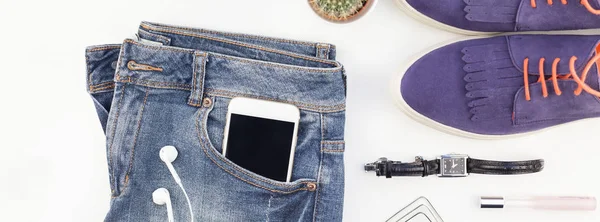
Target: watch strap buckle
382 167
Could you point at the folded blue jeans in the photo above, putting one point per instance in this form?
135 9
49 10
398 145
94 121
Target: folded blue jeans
171 87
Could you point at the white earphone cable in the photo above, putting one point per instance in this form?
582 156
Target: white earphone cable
168 154
187 198
161 196
170 212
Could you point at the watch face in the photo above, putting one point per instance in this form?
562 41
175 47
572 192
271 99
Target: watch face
454 166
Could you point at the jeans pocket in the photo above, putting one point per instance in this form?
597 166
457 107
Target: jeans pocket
210 125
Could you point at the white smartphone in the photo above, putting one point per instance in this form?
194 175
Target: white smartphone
261 135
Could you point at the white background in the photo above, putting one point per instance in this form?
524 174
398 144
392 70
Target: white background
53 161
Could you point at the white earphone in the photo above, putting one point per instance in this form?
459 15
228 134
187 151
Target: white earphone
161 196
168 154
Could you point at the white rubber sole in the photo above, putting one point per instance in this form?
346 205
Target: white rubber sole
396 86
432 22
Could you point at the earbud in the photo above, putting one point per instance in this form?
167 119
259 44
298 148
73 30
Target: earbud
161 197
168 154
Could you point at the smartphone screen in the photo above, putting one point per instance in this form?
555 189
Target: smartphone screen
260 145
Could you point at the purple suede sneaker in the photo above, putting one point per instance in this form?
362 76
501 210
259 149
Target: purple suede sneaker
473 17
501 86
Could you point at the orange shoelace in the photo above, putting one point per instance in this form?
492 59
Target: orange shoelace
555 77
585 3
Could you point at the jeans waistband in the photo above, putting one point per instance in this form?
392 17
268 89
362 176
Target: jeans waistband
224 64
223 42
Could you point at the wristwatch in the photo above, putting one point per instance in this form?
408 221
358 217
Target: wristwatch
453 165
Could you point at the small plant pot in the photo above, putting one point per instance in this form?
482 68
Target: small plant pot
341 11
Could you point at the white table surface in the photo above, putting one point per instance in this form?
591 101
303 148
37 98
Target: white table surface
53 163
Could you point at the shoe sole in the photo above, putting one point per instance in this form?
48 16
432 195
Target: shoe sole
432 22
396 86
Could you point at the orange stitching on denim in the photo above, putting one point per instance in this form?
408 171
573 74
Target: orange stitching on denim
204 149
195 104
322 127
167 40
155 84
88 65
203 73
203 69
103 84
159 47
263 63
194 74
331 151
302 106
126 79
319 185
323 70
137 133
104 48
237 43
88 70
186 86
114 126
93 90
333 142
250 182
163 87
319 47
119 63
225 34
224 93
326 53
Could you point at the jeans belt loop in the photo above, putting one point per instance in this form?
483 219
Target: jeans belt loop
197 91
323 50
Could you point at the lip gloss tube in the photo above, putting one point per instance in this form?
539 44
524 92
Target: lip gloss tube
564 203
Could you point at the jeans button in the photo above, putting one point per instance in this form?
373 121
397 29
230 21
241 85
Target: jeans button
207 102
311 186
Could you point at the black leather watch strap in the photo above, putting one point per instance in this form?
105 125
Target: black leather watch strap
424 168
504 167
390 169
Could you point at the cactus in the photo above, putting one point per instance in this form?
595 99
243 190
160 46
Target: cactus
337 10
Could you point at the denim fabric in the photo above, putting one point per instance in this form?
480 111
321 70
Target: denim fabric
173 86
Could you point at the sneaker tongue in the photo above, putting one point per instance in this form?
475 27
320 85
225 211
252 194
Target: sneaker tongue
593 79
595 4
536 47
